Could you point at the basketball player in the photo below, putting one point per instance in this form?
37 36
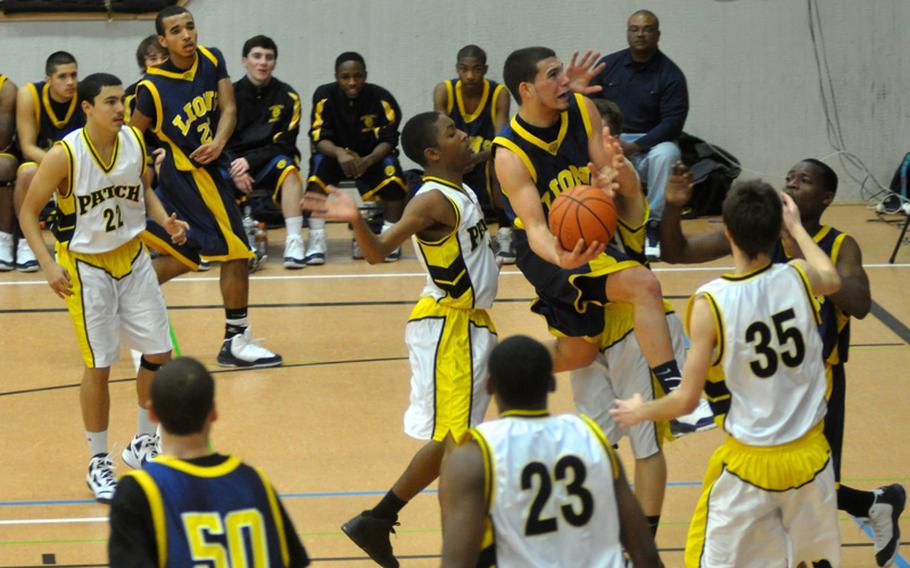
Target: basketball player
449 333
479 107
8 163
102 269
812 185
354 133
194 505
263 147
188 102
46 111
551 145
532 489
769 496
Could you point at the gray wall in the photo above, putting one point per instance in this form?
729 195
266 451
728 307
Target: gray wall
753 83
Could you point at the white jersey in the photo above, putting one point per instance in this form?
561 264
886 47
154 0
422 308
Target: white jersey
461 268
551 498
103 206
769 351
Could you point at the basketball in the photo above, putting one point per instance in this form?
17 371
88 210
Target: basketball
582 212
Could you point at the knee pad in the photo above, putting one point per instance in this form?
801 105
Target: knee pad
146 364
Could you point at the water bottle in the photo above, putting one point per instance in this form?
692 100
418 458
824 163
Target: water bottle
249 227
261 241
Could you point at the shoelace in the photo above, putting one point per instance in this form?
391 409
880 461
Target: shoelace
104 470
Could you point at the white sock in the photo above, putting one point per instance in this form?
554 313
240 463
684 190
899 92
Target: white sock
144 424
293 225
97 443
317 224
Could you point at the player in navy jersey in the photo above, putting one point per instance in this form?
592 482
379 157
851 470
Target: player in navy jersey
8 162
812 185
193 505
188 102
480 107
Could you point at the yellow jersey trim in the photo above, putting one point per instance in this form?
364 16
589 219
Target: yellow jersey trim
36 99
70 168
156 507
718 325
389 111
525 413
816 309
487 466
187 75
208 54
496 93
295 115
229 465
513 147
748 275
46 101
602 438
459 98
583 110
276 515
156 98
835 248
317 120
450 96
145 155
549 147
96 156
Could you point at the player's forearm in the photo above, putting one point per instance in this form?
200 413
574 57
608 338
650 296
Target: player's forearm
31 230
381 150
829 280
32 152
543 243
328 148
374 249
853 297
153 207
227 121
673 405
7 127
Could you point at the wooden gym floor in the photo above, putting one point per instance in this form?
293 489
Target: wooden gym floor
327 427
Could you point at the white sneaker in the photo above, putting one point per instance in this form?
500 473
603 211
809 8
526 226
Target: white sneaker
294 256
394 256
699 420
25 258
100 478
242 350
204 266
883 518
315 250
506 252
142 449
356 253
7 258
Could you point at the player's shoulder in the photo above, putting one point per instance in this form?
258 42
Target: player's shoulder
213 54
378 91
326 90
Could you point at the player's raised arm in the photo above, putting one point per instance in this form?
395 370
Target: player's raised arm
821 272
51 174
676 246
461 496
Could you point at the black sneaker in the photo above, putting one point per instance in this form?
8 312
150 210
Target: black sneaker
883 518
372 535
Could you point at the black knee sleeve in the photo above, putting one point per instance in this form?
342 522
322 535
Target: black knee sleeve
146 364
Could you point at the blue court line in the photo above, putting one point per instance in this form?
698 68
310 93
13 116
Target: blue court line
306 495
898 560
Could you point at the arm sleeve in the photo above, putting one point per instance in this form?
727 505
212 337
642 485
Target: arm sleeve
285 139
132 541
389 131
145 104
297 553
222 72
674 107
321 127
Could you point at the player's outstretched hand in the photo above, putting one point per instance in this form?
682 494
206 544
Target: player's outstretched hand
606 178
679 186
336 206
176 229
59 280
207 153
625 412
581 73
791 213
581 254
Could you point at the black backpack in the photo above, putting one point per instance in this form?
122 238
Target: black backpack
713 171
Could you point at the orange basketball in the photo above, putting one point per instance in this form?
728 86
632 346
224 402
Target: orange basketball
582 212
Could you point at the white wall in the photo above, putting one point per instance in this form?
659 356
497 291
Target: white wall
752 77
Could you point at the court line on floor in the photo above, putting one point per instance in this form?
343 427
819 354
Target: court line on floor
380 275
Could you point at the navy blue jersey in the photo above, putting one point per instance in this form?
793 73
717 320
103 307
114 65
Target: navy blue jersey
835 326
55 120
557 156
213 514
480 125
183 104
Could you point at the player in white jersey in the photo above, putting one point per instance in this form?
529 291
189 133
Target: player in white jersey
449 333
768 496
534 490
102 269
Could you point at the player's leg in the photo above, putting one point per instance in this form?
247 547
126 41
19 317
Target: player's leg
25 258
8 225
290 190
660 160
638 286
324 171
809 515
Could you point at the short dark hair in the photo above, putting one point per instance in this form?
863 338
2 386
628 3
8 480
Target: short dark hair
262 41
146 46
418 134
474 51
521 67
56 59
167 13
90 86
753 214
611 115
521 371
183 393
349 56
647 13
828 177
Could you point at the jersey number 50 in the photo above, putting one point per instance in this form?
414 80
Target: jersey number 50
537 524
234 525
